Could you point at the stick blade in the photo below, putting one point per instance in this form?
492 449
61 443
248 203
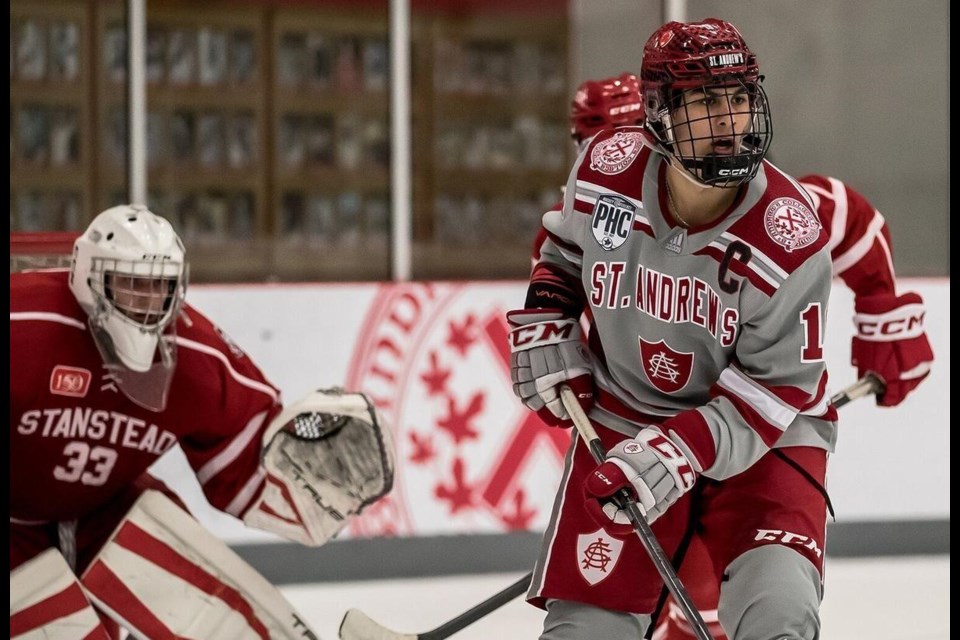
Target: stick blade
356 625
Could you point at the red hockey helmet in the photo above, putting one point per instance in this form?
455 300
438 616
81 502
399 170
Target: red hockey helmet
605 103
684 57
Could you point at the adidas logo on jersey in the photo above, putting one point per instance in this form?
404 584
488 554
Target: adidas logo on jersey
675 243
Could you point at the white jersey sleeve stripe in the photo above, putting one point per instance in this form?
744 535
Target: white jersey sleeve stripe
815 192
760 263
47 317
752 265
237 445
589 192
854 254
589 198
838 227
245 381
569 256
775 412
885 247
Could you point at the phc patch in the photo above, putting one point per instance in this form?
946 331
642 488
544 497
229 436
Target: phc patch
616 153
70 381
612 221
597 555
791 224
667 369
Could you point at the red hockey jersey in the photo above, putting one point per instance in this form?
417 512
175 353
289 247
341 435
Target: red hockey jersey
76 440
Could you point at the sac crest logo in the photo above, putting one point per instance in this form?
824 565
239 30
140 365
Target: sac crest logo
667 369
597 555
435 359
616 153
791 224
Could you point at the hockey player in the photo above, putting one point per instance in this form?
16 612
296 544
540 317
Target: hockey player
707 277
109 369
598 104
889 340
861 253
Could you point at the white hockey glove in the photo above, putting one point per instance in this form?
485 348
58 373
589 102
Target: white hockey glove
327 457
546 350
652 469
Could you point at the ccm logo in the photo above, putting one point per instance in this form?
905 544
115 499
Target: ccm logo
910 325
733 172
542 332
628 108
603 478
785 537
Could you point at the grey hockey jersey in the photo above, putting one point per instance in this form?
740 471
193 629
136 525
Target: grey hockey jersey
715 332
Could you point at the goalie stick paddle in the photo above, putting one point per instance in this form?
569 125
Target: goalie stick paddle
356 625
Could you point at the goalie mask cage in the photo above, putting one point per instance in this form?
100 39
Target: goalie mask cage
41 249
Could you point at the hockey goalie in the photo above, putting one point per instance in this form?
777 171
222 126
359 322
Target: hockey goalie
109 369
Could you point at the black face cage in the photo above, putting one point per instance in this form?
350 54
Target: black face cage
736 113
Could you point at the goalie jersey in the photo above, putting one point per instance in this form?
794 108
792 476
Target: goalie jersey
716 333
76 441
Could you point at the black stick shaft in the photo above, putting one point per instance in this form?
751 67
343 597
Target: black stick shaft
640 524
470 616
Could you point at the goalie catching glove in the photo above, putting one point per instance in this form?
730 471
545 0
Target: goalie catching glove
891 343
545 351
326 457
652 469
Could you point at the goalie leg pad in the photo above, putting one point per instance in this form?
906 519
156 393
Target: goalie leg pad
327 457
163 575
47 602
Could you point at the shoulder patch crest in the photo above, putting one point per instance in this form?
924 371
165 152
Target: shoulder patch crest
791 224
617 152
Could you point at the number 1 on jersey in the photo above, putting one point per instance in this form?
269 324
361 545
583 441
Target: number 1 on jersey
812 350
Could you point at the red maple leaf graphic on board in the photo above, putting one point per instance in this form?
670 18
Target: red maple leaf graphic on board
423 450
463 335
521 516
457 423
436 377
457 494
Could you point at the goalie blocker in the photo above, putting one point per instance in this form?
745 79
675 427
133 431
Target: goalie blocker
326 458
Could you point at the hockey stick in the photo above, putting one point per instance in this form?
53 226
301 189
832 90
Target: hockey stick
356 625
640 524
870 383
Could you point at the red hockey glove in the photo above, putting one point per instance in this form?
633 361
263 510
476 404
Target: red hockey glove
652 469
891 342
545 351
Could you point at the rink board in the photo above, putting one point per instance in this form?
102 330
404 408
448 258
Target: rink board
472 461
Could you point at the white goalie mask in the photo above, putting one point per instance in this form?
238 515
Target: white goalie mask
128 273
